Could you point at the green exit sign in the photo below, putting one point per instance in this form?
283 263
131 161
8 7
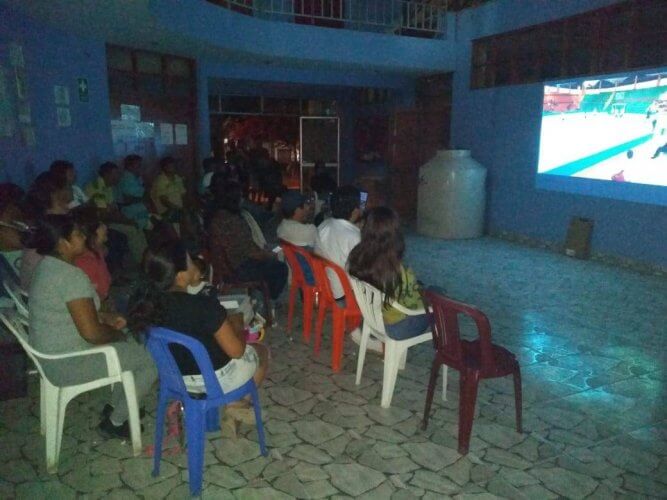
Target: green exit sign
82 85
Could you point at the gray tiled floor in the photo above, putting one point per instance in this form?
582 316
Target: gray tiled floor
591 340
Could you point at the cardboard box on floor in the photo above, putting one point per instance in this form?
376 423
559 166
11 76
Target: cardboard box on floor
578 240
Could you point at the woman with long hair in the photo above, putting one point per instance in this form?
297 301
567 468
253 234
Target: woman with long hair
378 260
164 301
65 317
92 260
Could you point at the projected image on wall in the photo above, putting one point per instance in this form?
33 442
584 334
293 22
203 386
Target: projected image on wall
612 129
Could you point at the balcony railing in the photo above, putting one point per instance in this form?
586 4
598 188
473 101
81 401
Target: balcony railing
420 18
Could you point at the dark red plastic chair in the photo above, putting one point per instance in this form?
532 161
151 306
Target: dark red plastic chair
309 291
475 360
344 317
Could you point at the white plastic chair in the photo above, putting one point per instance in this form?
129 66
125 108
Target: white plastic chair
54 399
19 297
370 301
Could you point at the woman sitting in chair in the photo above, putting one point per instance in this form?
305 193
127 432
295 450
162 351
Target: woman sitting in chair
65 317
227 226
377 260
164 301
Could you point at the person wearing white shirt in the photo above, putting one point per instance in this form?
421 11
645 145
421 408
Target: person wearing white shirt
337 236
293 227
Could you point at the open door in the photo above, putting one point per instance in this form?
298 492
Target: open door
319 141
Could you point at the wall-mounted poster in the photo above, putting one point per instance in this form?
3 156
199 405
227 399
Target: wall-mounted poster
130 112
64 118
16 55
7 121
181 134
166 134
61 95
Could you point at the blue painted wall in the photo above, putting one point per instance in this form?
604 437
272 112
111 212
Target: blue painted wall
501 127
55 58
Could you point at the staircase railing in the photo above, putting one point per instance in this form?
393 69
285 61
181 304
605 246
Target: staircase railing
420 18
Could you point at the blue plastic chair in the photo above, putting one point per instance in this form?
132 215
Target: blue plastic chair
201 415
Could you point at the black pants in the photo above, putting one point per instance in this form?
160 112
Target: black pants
272 271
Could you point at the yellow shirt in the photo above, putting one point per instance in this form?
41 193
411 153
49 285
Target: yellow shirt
100 194
170 187
409 297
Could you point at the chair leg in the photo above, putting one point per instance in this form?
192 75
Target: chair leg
337 340
435 368
308 301
267 304
290 307
365 333
54 427
258 420
133 410
159 431
319 325
518 399
403 360
467 399
42 405
392 357
445 368
194 423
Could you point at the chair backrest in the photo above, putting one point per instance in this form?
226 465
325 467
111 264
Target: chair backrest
446 331
17 295
158 342
17 328
370 301
322 267
297 257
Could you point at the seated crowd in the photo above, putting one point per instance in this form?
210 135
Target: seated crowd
102 264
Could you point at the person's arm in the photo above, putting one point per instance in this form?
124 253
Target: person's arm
89 325
230 338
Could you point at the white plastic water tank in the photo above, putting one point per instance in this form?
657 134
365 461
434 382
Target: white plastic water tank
452 196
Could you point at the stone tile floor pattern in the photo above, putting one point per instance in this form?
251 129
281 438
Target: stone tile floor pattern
591 340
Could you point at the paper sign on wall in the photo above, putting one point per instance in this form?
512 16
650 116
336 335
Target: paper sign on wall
64 119
130 113
181 133
166 134
16 55
61 95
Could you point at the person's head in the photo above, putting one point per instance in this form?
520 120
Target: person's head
10 196
228 196
110 172
47 194
168 165
166 268
132 163
212 164
377 258
59 236
345 203
63 172
92 227
201 268
293 206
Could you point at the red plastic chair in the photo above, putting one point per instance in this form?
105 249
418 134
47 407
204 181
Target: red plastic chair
344 318
309 291
475 360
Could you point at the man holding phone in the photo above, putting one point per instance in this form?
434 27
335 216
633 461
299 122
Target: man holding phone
337 236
